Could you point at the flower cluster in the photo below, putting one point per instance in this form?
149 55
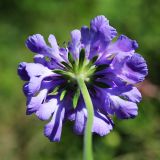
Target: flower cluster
109 69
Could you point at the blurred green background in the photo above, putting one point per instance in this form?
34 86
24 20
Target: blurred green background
21 136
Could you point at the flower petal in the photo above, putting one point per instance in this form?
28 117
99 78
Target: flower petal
55 53
131 68
54 128
98 43
123 44
118 100
101 34
122 108
35 43
53 42
128 92
85 34
135 69
34 85
39 58
47 109
37 70
22 71
33 103
118 62
132 95
80 120
102 125
100 23
37 73
74 45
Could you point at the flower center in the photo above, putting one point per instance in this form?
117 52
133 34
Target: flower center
76 69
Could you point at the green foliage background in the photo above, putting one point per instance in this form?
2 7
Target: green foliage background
21 137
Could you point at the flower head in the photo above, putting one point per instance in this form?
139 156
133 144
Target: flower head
109 69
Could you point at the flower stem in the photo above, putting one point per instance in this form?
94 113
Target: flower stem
87 153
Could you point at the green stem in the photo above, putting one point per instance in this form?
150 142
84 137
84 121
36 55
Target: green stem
90 113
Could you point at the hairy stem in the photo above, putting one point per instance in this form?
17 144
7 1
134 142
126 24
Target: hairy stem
90 113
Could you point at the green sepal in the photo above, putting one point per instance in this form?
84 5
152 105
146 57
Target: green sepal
101 84
76 98
98 76
101 67
91 70
66 65
92 61
58 71
111 57
63 93
81 58
123 97
70 58
47 59
65 74
55 90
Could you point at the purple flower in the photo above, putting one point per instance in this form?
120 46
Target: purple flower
109 69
